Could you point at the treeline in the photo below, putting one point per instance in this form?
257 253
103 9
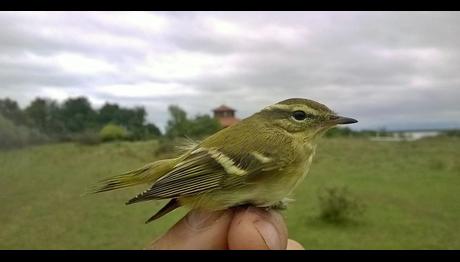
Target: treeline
365 133
347 132
452 132
45 120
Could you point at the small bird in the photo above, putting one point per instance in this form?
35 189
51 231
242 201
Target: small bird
258 161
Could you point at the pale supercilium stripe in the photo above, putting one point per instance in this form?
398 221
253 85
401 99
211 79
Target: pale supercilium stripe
291 108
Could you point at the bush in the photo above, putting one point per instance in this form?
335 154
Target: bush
452 132
17 136
111 132
88 138
338 205
179 125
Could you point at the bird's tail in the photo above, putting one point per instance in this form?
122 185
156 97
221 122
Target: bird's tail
146 174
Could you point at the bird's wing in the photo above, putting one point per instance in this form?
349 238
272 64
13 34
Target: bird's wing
210 168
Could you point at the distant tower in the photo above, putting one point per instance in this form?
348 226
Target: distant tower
225 115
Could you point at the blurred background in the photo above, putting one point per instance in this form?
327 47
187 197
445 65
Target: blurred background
86 95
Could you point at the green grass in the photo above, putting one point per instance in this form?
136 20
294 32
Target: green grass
410 189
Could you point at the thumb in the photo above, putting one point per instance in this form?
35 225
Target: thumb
199 229
256 228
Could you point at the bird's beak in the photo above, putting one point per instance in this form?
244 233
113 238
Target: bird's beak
341 120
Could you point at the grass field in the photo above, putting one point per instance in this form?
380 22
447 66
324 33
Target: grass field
411 191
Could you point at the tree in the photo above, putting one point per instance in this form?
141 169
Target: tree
10 109
132 119
109 113
179 126
44 114
137 117
203 125
152 130
78 115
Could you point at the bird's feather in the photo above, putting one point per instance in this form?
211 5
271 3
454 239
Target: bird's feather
170 206
146 174
211 168
197 173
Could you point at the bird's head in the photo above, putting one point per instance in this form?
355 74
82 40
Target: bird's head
304 117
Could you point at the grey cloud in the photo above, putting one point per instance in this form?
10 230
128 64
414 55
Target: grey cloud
374 66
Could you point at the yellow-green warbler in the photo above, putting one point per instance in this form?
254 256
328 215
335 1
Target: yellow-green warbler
258 161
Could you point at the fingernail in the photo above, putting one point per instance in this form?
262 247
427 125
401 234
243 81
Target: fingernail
268 233
199 219
267 230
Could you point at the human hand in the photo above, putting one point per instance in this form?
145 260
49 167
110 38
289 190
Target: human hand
236 228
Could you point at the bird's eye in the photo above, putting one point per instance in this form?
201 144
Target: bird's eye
299 115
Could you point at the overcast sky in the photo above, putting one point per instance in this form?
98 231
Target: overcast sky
387 69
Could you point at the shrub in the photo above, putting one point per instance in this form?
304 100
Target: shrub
452 132
112 132
88 138
179 125
338 205
17 136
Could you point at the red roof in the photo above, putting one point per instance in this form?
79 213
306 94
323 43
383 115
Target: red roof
223 108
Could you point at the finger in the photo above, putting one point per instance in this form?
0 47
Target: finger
294 245
199 229
256 228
